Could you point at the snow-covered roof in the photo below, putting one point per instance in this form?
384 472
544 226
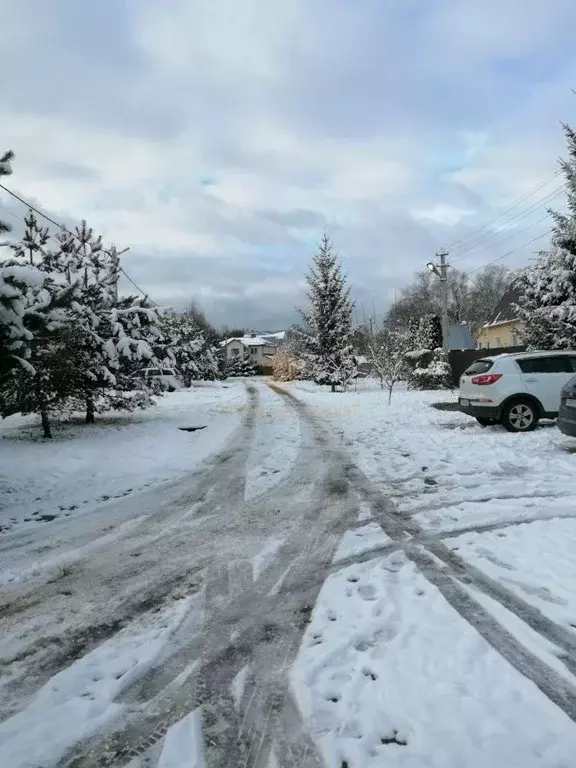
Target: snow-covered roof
248 341
506 311
278 335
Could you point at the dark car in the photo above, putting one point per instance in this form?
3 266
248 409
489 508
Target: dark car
567 411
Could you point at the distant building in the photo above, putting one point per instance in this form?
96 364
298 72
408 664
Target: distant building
460 337
261 348
504 329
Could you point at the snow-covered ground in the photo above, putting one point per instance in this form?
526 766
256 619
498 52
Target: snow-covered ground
389 674
441 466
443 636
86 465
536 560
388 671
80 700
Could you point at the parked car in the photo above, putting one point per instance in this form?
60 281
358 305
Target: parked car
166 378
516 389
567 412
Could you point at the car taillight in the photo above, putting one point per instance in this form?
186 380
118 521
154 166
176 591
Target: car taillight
486 378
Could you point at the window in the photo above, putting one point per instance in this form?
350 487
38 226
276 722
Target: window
235 351
497 341
556 364
478 366
167 372
253 350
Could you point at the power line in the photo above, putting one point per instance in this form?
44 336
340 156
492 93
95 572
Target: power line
509 253
505 210
515 219
64 229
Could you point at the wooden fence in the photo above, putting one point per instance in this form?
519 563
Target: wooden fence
460 359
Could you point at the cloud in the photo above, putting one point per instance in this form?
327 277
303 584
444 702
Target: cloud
219 139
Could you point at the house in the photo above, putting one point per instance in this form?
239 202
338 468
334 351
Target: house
504 329
260 348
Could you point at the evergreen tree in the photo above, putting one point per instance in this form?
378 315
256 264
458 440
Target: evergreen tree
327 335
42 374
194 357
548 304
243 366
111 338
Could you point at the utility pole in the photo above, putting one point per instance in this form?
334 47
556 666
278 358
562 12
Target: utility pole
115 255
444 286
441 269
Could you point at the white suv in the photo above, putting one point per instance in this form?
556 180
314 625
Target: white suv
516 389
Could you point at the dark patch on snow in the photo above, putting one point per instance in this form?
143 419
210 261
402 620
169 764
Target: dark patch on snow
269 632
305 612
337 486
394 739
430 481
191 429
451 406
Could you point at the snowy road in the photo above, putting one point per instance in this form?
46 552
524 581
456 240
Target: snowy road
203 592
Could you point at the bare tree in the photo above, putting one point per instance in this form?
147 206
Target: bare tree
387 350
469 302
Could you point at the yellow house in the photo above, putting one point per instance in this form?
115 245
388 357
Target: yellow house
504 329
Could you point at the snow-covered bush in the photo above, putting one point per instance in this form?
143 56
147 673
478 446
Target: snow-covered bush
285 367
436 375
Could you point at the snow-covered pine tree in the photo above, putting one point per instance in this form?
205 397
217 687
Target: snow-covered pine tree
328 320
242 366
547 307
186 341
111 338
42 374
429 369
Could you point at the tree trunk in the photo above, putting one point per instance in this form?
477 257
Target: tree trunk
332 387
89 410
45 423
390 394
381 383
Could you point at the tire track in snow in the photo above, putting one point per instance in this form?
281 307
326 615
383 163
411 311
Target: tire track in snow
267 626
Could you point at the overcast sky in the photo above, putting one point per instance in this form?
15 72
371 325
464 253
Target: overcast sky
218 138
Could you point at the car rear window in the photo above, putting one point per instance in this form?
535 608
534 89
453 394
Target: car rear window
167 372
552 364
479 366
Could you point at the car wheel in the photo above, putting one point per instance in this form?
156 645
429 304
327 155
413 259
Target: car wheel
520 416
484 422
171 389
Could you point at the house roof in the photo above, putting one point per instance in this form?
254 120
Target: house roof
506 311
249 341
460 337
257 340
